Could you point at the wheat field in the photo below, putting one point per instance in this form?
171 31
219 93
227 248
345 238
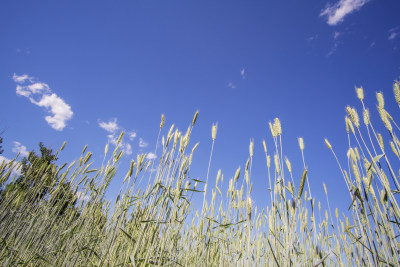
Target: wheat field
59 215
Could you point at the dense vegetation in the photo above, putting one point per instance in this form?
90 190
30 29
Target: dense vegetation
58 215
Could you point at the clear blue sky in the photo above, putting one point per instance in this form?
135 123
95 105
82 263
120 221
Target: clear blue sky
69 67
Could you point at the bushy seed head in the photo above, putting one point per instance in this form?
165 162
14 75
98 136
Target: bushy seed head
384 117
218 176
106 149
268 161
301 143
277 126
381 101
237 174
328 145
326 191
360 93
195 117
214 131
273 132
289 166
380 140
265 147
394 148
276 161
349 125
162 121
396 90
352 112
248 208
366 117
251 148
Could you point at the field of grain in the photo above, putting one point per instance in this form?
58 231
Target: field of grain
59 215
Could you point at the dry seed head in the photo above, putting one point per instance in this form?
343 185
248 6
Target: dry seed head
301 143
162 121
326 191
349 124
360 93
357 154
380 140
195 117
265 147
247 164
396 91
277 126
237 174
366 117
120 137
214 131
289 166
337 213
106 150
63 145
384 117
272 130
302 182
328 145
276 161
381 101
394 149
251 148
268 161
248 208
352 112
218 176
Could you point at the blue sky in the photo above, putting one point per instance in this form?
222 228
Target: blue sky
81 71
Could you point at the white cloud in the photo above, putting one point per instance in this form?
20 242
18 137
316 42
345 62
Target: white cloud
335 13
151 156
231 85
110 126
15 171
22 78
131 135
19 148
393 33
242 73
142 143
60 111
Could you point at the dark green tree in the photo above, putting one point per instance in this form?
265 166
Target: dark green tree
39 182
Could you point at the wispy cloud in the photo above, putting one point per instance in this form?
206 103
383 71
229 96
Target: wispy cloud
112 128
312 38
40 94
142 143
231 85
242 73
131 135
19 148
393 33
336 42
337 12
151 156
